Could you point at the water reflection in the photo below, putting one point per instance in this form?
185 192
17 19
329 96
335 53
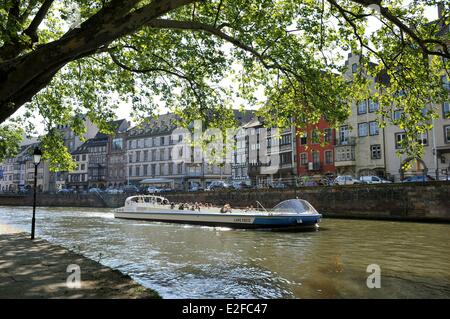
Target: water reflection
182 261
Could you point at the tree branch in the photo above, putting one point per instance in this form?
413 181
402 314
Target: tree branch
31 31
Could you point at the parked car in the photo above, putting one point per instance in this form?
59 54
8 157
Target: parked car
346 180
114 191
215 185
310 183
66 191
278 185
417 178
153 190
373 180
240 185
95 190
195 188
130 189
23 190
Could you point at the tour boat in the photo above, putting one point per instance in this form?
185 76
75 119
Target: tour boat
288 214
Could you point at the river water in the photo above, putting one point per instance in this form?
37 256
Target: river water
183 261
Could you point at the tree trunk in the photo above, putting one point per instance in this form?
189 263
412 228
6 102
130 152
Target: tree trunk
25 76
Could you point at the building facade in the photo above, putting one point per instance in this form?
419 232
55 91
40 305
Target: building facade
59 180
263 156
315 150
117 155
360 145
78 178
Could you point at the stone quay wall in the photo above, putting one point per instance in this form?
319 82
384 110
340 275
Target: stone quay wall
413 201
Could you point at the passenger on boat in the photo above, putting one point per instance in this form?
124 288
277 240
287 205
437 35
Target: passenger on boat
172 205
225 209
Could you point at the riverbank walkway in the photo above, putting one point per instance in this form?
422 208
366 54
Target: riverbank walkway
38 269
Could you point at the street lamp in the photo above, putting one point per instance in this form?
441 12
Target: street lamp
37 154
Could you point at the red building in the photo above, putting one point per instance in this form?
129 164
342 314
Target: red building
315 150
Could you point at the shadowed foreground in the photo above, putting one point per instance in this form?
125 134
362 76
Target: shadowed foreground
37 269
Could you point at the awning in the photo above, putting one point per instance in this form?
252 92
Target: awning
156 180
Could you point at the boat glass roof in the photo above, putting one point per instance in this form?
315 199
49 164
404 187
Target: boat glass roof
295 205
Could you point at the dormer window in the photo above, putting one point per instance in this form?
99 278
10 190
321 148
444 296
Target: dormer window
354 67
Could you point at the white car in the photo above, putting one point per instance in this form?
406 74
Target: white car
346 180
373 180
153 190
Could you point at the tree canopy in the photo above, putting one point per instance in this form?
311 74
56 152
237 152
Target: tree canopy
66 58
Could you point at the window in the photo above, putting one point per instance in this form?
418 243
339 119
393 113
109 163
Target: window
373 106
161 154
138 171
345 154
161 140
130 171
328 157
354 67
362 129
316 157
303 139
373 128
397 114
343 133
446 110
138 156
83 157
170 171
145 169
422 138
145 157
315 136
445 82
362 107
285 139
375 151
153 169
285 158
399 137
153 155
327 135
303 158
447 133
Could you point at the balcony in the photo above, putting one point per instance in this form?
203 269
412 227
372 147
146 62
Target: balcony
350 140
346 159
97 178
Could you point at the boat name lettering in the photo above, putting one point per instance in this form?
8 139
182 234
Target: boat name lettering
242 220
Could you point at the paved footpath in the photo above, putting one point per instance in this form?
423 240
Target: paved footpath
38 269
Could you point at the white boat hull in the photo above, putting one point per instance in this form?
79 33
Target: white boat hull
234 220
